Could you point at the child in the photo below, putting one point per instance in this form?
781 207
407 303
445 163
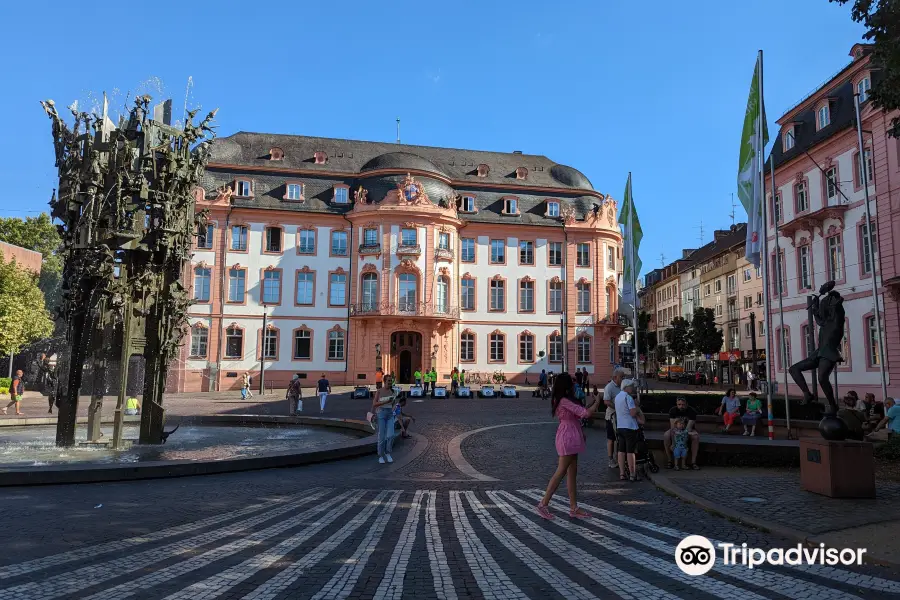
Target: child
403 419
679 443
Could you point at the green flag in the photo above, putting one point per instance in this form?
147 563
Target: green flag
754 138
629 219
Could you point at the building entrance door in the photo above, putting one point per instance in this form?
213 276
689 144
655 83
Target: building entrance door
406 355
405 369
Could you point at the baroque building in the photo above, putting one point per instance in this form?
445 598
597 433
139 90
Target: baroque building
420 257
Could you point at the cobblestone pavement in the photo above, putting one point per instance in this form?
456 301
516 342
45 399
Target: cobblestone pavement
418 529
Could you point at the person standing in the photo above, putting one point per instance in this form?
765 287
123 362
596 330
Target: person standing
246 380
626 429
417 377
570 442
426 379
323 387
16 391
383 406
454 380
433 378
379 378
610 392
294 395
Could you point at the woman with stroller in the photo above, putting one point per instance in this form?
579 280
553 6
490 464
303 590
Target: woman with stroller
570 442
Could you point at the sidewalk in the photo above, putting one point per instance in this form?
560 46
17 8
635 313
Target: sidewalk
771 500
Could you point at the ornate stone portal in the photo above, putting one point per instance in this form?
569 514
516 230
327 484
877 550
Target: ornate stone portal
126 203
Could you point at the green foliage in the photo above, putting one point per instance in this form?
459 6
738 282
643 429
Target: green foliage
23 318
652 341
38 234
5 382
661 354
4 391
890 450
705 337
680 338
642 333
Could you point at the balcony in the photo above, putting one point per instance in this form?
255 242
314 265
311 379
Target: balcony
731 290
443 254
369 249
404 309
409 250
809 221
615 319
733 315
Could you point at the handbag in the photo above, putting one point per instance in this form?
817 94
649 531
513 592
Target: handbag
370 417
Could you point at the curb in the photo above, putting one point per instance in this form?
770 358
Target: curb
31 421
802 537
66 474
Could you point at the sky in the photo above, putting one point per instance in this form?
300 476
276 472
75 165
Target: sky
656 88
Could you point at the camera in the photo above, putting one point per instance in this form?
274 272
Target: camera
695 555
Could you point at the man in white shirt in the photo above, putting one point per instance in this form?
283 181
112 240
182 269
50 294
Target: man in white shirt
610 392
626 429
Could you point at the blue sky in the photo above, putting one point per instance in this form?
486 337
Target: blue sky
656 88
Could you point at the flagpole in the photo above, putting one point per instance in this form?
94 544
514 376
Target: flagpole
633 281
784 356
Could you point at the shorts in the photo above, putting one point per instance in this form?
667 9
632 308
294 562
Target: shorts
130 412
679 452
731 418
627 439
610 431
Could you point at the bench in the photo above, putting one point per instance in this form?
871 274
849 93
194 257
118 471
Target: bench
734 450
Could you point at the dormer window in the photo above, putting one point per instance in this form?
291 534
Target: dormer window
788 139
341 194
521 173
823 116
510 206
243 188
294 191
276 154
468 204
553 209
862 88
483 170
321 158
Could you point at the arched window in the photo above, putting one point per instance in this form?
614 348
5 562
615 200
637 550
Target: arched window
583 349
202 279
369 291
442 302
234 342
608 302
467 347
407 292
336 344
199 341
270 344
555 348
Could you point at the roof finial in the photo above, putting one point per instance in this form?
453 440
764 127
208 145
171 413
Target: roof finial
398 130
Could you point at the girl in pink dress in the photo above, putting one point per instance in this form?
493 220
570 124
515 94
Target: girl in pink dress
569 443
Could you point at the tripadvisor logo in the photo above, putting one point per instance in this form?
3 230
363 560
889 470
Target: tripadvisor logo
696 555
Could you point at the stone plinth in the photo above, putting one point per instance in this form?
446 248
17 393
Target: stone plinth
843 469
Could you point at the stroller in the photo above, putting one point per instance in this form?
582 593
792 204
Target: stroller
642 455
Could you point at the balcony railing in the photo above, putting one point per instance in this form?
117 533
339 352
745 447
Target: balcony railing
731 290
733 315
615 318
414 249
834 209
443 254
404 309
367 249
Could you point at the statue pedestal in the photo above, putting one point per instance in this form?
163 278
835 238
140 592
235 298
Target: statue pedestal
844 469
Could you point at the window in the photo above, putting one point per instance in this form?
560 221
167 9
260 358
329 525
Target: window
337 289
442 297
834 254
718 310
831 185
784 349
273 239
526 348
270 344
239 238
759 298
294 191
467 347
370 237
336 345
555 348
862 88
468 204
339 243
748 274
444 241
612 351
868 263
407 292
243 187
870 173
511 206
199 341
303 344
305 286
759 272
526 296
202 279
611 258
526 253
369 291
760 328
779 281
583 349
553 209
874 348
468 294
306 243
271 287
608 302
583 292
718 286
748 302
498 251
777 208
583 255
788 140
734 337
498 299
555 293
823 117
804 267
234 342
554 250
341 195
205 236
408 237
747 332
498 351
801 199
467 254
237 285
731 284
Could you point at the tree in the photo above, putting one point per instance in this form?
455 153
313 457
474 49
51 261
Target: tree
38 234
879 17
680 338
706 338
643 325
23 317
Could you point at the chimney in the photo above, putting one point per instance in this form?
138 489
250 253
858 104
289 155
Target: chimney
517 152
686 252
719 234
